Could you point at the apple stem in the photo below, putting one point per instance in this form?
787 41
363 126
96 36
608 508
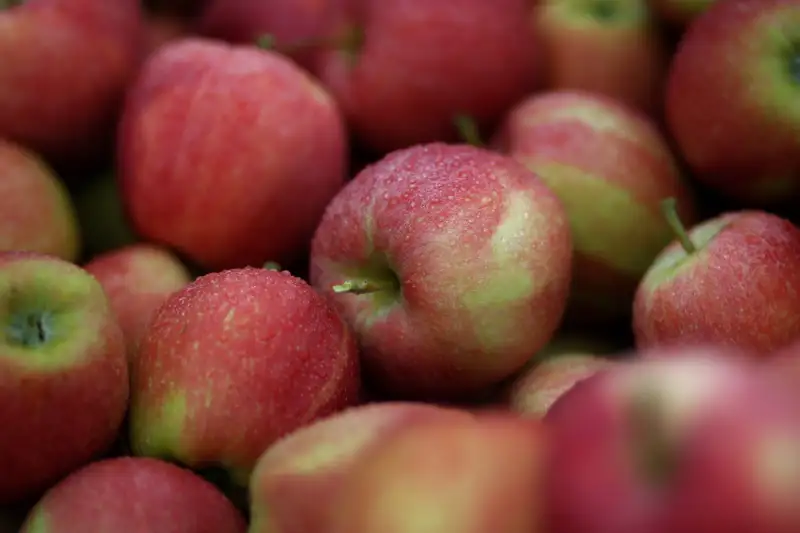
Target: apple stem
272 265
669 207
468 129
363 286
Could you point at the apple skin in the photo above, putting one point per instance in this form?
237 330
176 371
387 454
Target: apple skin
132 495
60 95
193 97
471 475
611 168
137 280
422 63
610 432
234 361
480 251
680 12
296 481
62 404
622 56
739 288
36 212
732 105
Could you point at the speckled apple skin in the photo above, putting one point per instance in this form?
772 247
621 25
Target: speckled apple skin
234 361
482 251
741 288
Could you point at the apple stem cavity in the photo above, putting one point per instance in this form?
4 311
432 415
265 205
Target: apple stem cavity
364 286
30 329
794 64
669 207
468 130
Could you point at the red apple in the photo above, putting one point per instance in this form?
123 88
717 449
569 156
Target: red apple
608 47
733 279
611 168
234 361
295 483
229 154
134 495
619 439
63 374
680 12
404 69
36 213
137 279
290 23
470 475
59 94
451 263
733 99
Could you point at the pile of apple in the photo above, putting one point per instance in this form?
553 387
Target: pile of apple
400 266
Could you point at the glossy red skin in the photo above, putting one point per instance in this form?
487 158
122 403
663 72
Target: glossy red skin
741 289
241 191
54 422
60 94
428 211
733 142
285 359
134 495
594 481
424 62
137 279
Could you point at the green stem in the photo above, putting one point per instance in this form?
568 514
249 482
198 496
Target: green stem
468 129
363 286
669 207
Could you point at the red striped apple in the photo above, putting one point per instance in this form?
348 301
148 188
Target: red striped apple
63 373
611 168
733 99
733 280
229 154
450 262
234 361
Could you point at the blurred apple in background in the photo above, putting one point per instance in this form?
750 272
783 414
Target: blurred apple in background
263 149
609 47
161 28
680 12
104 223
36 211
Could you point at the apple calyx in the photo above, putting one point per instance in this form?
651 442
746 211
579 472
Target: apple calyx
29 329
604 9
468 129
365 286
669 207
349 41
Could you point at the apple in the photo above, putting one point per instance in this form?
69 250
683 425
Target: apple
680 12
611 168
137 279
36 212
402 70
104 224
63 373
619 439
295 483
290 23
470 475
59 95
733 100
450 262
133 495
234 361
608 47
229 154
733 279
162 28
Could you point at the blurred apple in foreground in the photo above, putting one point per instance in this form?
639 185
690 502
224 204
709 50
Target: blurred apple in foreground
229 154
733 99
234 361
626 443
133 495
403 69
733 279
611 168
452 264
59 95
36 212
470 475
137 279
104 224
295 482
680 12
608 47
63 374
